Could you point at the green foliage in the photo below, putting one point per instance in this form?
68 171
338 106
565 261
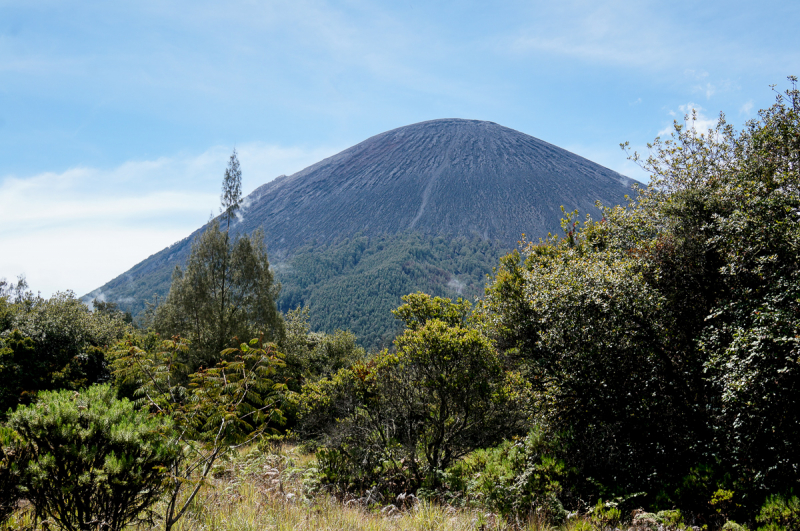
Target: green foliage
592 345
354 284
232 403
225 294
779 513
665 336
231 198
13 456
310 356
662 520
519 478
93 460
54 343
402 419
606 515
420 308
730 525
723 502
111 309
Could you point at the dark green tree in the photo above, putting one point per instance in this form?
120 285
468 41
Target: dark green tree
231 197
54 343
225 293
93 461
406 417
13 457
662 340
310 356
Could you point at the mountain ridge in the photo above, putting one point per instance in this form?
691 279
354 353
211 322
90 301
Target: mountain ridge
448 177
407 164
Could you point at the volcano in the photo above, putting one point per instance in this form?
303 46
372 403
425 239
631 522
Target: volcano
450 178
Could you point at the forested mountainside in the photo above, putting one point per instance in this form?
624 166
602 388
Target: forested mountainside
359 281
450 178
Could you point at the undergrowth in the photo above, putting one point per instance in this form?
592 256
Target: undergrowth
277 488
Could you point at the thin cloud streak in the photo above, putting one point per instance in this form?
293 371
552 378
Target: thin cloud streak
90 224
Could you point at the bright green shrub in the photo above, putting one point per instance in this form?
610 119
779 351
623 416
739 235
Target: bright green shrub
94 461
642 519
400 420
518 478
672 518
605 514
730 525
779 514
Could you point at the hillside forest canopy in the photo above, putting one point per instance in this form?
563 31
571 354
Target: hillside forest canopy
638 370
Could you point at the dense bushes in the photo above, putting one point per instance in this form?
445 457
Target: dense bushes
12 459
661 341
88 460
401 419
518 478
54 343
779 514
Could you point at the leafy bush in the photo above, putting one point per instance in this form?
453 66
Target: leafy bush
402 419
605 514
94 461
730 525
232 403
12 456
54 343
519 478
779 513
665 336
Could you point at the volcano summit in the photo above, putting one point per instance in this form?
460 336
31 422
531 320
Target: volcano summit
449 178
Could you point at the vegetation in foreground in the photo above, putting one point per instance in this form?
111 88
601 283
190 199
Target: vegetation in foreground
648 360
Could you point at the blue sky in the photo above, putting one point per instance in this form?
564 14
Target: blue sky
117 118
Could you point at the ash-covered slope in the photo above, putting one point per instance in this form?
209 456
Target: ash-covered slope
455 177
450 177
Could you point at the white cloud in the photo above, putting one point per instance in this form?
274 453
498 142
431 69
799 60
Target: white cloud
82 227
694 117
746 108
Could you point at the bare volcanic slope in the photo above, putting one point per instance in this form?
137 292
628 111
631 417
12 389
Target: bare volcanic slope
445 177
450 177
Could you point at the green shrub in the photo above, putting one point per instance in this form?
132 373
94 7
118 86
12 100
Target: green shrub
664 520
94 461
11 454
671 518
605 514
398 421
730 525
518 478
642 519
779 514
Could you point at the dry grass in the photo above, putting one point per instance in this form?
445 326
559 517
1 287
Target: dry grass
260 492
266 492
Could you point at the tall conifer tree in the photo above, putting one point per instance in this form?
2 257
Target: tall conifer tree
231 197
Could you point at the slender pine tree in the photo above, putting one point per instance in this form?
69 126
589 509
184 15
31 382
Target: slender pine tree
231 197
